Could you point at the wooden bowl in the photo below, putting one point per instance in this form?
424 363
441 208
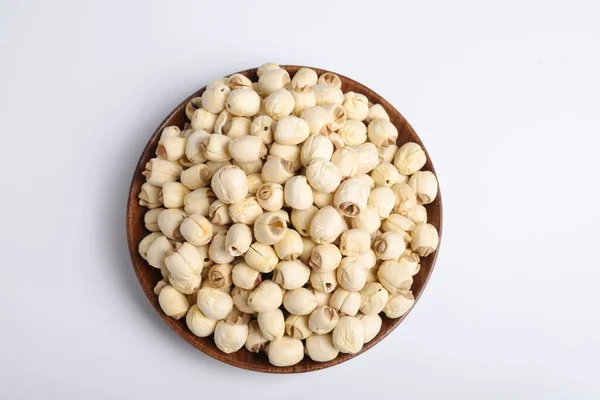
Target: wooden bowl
149 276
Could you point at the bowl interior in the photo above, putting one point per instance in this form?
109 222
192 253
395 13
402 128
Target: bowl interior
149 276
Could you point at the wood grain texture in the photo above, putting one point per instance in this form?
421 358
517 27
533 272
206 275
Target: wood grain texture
149 276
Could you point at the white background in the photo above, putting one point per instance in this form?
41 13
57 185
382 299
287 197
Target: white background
505 95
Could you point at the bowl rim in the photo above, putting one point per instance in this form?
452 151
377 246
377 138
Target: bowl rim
147 287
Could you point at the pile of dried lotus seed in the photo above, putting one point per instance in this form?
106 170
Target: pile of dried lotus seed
284 218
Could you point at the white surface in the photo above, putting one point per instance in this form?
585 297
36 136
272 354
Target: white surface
504 95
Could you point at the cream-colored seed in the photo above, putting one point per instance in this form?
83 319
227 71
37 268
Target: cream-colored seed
193 150
266 67
285 351
171 148
238 239
368 220
262 127
356 106
326 225
351 198
206 261
270 196
151 219
322 297
254 182
172 194
351 274
320 348
345 302
372 324
277 170
376 111
307 246
325 257
365 180
425 186
219 275
169 221
229 338
409 158
198 201
386 154
236 317
272 80
399 304
301 219
326 93
214 99
240 299
296 326
243 102
355 242
159 171
382 132
261 257
316 147
217 250
318 120
389 245
303 99
214 166
214 83
297 193
383 199
245 211
368 259
172 302
287 152
337 115
150 196
346 159
405 198
146 242
279 104
218 213
158 250
289 247
395 277
353 133
204 120
196 176
224 119
374 297
336 139
291 130
397 222
386 175
238 81
425 239
349 335
255 341
216 148
198 323
323 281
417 214
192 106
299 301
196 229
322 199
270 228
251 168
214 303
329 78
304 77
323 319
245 277
291 274
230 184
271 324
410 262
247 149
323 175
266 297
367 158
